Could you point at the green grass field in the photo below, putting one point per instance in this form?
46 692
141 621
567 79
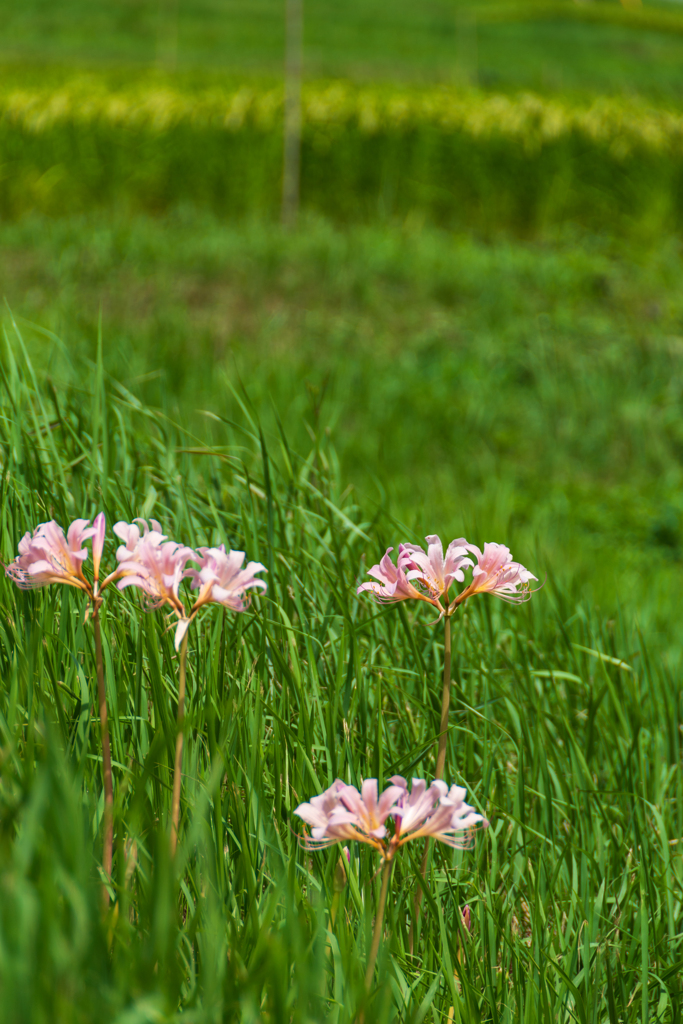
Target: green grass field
529 390
574 890
548 46
311 397
501 391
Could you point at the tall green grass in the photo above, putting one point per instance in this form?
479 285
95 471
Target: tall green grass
530 391
562 727
467 160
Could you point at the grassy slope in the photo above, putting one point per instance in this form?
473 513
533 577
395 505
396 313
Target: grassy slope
575 890
531 392
360 39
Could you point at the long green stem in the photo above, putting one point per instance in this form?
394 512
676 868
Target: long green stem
445 700
177 769
106 758
379 921
440 758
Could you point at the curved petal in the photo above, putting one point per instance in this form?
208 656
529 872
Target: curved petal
99 530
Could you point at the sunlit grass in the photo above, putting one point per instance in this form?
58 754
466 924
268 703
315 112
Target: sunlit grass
461 159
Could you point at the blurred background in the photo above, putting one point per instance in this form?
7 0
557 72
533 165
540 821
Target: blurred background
476 289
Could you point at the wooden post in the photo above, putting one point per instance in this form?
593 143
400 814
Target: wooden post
291 173
168 16
466 45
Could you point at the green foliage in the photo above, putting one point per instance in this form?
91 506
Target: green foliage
525 391
524 44
562 728
522 164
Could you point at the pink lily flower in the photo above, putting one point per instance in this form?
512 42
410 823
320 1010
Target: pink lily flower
153 563
129 533
434 571
365 811
47 556
222 579
496 573
417 805
438 811
394 584
318 810
342 813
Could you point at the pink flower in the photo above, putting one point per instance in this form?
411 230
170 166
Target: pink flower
366 811
416 806
466 918
318 811
152 563
432 570
439 812
221 578
48 556
129 533
394 585
99 529
342 813
496 573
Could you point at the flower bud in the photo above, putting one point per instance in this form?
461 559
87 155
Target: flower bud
340 877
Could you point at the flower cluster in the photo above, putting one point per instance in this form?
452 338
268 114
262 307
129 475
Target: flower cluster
158 566
222 579
146 558
429 575
342 813
153 563
47 556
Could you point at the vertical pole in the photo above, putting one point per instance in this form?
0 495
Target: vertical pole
294 22
168 16
466 45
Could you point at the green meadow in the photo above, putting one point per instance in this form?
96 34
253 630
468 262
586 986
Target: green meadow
554 46
520 390
475 329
